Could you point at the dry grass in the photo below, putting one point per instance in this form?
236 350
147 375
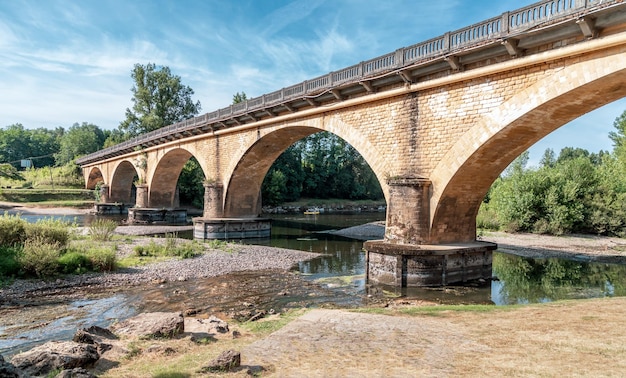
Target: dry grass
572 338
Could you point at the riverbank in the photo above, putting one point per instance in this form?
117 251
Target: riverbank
405 338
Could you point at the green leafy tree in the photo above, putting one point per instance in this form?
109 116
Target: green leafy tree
17 143
159 99
79 140
239 97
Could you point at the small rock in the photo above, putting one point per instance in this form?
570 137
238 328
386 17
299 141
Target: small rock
227 361
236 334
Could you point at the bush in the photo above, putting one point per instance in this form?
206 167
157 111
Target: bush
12 230
102 259
74 263
49 231
102 229
40 257
9 261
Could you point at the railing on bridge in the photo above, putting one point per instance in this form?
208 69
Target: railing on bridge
497 28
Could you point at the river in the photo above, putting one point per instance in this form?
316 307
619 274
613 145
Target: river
336 279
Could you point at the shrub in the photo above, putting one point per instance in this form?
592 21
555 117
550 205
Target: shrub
9 261
74 263
102 229
102 259
40 257
49 231
12 230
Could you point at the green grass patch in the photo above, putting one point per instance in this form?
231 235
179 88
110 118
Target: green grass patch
273 323
433 310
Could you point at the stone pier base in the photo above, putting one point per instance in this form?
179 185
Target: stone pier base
231 228
110 208
408 265
142 215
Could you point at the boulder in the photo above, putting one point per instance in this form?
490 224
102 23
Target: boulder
55 355
99 337
7 369
151 325
227 361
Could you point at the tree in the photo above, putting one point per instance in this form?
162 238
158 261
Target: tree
159 100
79 140
17 143
239 97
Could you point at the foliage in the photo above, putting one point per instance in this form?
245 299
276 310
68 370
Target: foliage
38 145
321 165
79 140
171 247
190 184
239 97
9 261
102 229
49 231
12 230
159 99
39 257
10 172
66 176
74 263
577 192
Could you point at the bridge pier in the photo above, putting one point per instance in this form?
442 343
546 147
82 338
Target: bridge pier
213 224
405 258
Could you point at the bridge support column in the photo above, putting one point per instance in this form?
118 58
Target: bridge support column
213 201
406 259
141 197
213 225
104 193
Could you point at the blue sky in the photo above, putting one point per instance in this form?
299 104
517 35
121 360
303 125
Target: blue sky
63 62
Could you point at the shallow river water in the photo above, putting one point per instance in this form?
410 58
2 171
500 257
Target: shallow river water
336 279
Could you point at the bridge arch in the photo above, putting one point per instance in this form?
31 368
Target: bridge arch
463 177
121 185
164 177
94 177
242 197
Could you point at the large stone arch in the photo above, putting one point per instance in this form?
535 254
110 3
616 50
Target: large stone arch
121 185
164 177
463 177
94 177
242 197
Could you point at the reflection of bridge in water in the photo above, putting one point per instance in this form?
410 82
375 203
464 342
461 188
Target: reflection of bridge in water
437 122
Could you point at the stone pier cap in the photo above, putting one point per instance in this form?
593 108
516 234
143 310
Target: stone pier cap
387 248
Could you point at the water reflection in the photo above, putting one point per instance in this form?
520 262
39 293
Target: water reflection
525 280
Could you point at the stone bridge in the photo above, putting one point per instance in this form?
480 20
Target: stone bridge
437 122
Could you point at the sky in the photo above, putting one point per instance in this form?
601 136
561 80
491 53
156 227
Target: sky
65 62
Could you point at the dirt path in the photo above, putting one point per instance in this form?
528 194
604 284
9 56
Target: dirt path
582 338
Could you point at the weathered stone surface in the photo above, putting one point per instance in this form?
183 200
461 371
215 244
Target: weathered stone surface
97 336
55 355
227 361
75 373
7 370
154 324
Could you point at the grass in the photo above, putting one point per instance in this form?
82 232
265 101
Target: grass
442 310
